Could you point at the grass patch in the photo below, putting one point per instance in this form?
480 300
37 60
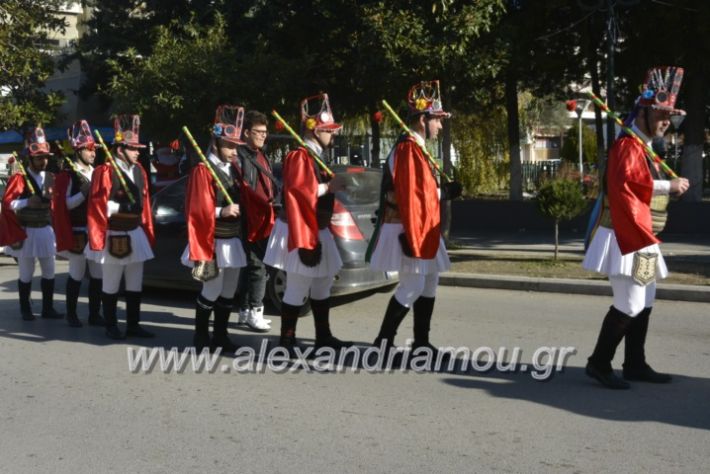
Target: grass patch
681 271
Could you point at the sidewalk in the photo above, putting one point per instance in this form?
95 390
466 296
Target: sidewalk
674 247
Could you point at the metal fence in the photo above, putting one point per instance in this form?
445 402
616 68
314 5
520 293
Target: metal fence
534 173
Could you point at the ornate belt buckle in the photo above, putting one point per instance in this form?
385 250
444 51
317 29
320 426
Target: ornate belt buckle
205 270
644 269
79 243
119 246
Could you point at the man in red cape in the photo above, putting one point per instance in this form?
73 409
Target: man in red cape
259 188
624 246
26 225
70 214
301 243
120 227
408 234
214 229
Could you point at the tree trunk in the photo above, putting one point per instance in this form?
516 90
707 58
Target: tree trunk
511 105
611 51
692 160
448 169
593 62
375 150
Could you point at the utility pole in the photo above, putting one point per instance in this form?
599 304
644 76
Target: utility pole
611 48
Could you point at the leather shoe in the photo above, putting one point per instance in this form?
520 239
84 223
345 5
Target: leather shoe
332 342
97 320
138 331
112 332
608 379
52 314
646 374
73 321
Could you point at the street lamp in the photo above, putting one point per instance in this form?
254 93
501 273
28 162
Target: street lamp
575 106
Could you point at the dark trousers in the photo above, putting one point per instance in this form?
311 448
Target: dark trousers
252 278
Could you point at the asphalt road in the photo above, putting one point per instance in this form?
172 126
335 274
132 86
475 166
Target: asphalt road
68 402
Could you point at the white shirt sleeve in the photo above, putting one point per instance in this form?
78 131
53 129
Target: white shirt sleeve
661 186
217 212
322 189
112 208
75 200
18 204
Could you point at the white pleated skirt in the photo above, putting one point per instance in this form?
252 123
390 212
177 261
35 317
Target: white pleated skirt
229 253
388 255
604 256
278 256
39 243
141 250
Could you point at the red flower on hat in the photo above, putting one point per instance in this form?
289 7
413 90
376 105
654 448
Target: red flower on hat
377 117
175 145
571 105
279 126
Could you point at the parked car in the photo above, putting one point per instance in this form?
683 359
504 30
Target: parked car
351 225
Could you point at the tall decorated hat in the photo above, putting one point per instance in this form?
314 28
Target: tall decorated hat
317 115
79 136
425 98
126 129
660 89
228 122
37 144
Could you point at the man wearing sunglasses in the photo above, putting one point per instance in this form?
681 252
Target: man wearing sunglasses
120 227
214 228
258 192
26 226
301 243
70 211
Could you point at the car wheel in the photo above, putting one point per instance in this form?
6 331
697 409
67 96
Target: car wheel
275 288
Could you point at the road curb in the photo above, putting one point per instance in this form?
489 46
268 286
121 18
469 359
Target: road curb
664 291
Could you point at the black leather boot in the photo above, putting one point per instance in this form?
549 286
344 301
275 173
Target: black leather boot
321 320
109 303
48 311
635 366
95 318
73 288
423 309
24 290
203 310
394 315
289 320
612 332
220 331
133 316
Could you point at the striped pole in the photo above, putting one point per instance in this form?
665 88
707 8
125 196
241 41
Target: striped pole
110 159
409 132
300 141
206 162
23 172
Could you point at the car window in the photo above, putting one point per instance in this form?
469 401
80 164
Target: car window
363 186
169 203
